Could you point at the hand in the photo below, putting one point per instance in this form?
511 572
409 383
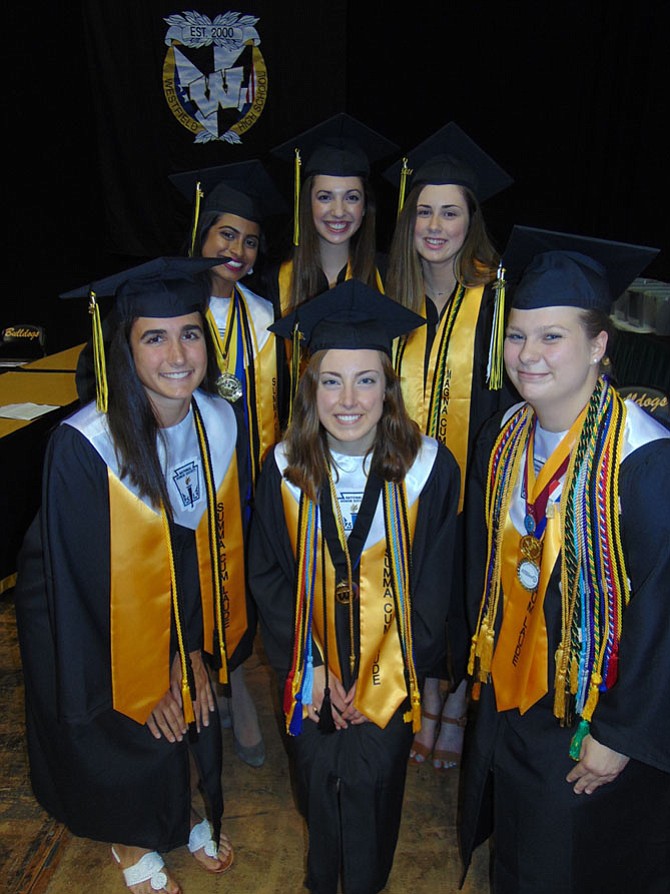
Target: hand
337 697
203 703
597 766
352 714
167 718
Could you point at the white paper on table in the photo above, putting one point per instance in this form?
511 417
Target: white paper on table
25 411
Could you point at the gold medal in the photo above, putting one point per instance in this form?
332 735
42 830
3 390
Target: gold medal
528 569
229 386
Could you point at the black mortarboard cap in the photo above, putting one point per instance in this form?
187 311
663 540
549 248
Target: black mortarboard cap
451 156
564 270
340 146
163 287
351 316
244 189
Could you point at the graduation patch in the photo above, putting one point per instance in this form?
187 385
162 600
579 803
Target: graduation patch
187 482
214 76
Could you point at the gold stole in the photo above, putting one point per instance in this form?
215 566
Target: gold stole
381 686
231 563
520 661
454 415
286 275
140 592
263 368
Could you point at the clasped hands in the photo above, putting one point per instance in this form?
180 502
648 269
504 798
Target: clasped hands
342 701
167 718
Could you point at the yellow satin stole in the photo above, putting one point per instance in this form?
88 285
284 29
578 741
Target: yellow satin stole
381 687
454 416
140 592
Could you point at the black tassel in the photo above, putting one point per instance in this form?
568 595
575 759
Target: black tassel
326 723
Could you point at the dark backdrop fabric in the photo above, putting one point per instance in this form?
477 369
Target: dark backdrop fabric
570 98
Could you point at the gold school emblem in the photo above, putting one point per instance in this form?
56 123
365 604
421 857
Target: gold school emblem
214 76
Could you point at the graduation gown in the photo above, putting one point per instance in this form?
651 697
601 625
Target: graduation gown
93 768
545 836
350 783
413 366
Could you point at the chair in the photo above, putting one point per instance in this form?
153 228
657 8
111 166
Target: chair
22 343
653 400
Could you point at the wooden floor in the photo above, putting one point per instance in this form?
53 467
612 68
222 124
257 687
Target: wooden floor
38 856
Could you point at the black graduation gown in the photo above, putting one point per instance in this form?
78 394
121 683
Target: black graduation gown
350 783
484 403
92 768
547 838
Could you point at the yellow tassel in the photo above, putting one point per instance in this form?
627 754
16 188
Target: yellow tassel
486 642
296 199
559 694
101 391
295 368
189 715
473 655
405 173
494 373
223 672
196 216
592 700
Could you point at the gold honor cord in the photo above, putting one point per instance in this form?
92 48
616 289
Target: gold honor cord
494 371
187 701
101 391
296 199
214 540
405 173
199 194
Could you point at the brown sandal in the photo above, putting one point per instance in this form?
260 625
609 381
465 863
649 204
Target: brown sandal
452 759
418 748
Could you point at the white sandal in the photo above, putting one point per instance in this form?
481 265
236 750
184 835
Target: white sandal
148 868
201 839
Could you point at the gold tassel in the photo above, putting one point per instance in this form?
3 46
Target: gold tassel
485 649
405 173
574 675
473 654
295 368
101 391
223 671
594 694
296 199
199 194
494 373
189 715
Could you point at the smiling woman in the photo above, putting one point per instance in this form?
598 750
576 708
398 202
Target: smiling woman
568 566
119 603
346 504
170 357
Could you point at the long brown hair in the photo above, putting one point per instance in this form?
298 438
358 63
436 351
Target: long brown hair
132 421
306 256
475 263
397 440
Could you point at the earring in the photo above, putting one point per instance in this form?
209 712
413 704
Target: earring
250 271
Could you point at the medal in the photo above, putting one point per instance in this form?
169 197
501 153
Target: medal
229 386
528 569
344 593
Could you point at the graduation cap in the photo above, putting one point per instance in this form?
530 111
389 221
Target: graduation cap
340 146
449 156
163 287
244 189
565 270
352 316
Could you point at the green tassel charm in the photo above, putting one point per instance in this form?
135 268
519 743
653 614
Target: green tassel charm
576 743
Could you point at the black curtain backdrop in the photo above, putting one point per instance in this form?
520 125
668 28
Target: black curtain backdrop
571 98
